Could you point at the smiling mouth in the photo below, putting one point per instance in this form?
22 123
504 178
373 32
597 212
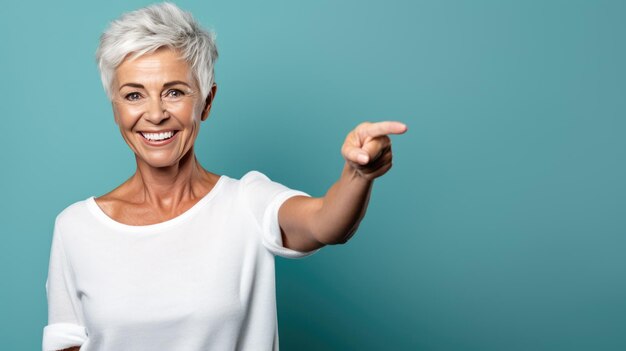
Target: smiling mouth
160 136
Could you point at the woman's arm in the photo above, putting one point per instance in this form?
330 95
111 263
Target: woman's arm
309 223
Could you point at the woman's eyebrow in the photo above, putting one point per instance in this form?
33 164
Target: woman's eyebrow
169 84
166 85
132 85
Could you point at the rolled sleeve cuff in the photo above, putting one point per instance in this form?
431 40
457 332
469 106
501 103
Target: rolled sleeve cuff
272 238
59 336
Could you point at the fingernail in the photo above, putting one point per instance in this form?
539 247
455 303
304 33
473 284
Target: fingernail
363 158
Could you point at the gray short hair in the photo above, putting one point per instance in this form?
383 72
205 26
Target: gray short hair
147 29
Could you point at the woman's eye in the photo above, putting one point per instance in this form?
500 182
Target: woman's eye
174 93
132 96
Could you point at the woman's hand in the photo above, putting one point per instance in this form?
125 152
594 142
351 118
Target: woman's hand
367 148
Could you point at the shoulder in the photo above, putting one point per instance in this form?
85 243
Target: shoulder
254 181
258 187
76 210
253 176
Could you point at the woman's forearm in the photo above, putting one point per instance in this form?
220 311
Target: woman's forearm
343 208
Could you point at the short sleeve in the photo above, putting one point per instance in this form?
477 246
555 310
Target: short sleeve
65 326
264 198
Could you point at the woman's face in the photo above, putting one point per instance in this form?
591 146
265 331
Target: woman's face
158 107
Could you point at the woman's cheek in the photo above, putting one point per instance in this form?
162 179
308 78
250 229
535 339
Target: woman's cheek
125 116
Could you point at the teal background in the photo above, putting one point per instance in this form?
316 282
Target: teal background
501 226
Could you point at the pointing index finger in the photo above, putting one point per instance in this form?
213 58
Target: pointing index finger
377 129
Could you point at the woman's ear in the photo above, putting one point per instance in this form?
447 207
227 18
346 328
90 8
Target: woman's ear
208 102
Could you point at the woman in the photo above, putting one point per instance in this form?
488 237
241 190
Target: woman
177 257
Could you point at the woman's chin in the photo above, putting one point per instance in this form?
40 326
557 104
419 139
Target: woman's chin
155 162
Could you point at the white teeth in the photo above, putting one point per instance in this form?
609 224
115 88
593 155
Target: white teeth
157 136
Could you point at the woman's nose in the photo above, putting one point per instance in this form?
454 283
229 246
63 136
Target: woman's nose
156 111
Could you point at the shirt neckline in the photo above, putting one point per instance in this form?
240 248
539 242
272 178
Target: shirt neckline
98 212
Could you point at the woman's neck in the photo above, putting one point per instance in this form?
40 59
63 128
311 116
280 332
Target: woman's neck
168 187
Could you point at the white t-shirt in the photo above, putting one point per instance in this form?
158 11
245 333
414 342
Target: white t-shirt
204 280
